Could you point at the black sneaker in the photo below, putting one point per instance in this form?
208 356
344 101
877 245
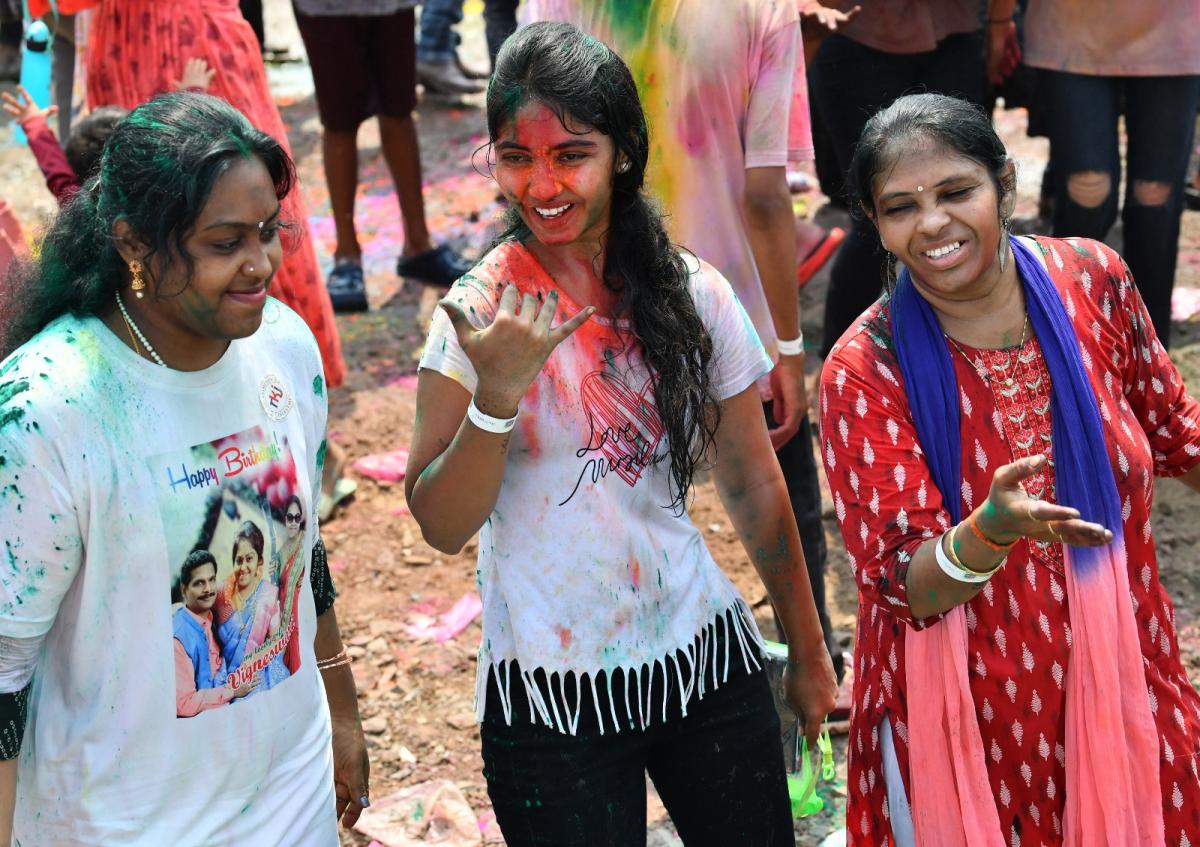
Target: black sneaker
347 289
439 266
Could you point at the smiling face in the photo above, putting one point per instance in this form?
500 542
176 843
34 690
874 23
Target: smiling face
235 248
558 177
247 564
293 518
200 592
939 213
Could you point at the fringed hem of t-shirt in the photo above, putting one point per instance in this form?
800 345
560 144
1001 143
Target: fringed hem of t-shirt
704 672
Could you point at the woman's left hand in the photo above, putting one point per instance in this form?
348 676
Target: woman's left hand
1009 513
351 769
810 686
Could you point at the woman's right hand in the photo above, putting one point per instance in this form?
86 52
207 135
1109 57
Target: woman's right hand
1009 513
508 354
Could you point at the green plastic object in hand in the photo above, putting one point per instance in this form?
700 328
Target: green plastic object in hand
802 786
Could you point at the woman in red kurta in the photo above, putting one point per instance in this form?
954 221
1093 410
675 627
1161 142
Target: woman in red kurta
1019 638
138 48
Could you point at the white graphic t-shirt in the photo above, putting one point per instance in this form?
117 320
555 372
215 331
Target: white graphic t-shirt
582 568
157 531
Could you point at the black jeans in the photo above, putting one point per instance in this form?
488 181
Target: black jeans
1160 120
799 465
719 770
849 82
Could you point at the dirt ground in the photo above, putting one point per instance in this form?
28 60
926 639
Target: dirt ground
416 696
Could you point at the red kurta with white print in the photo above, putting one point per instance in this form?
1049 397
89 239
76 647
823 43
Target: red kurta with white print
1019 635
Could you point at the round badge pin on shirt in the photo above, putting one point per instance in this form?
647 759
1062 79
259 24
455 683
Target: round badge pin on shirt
276 400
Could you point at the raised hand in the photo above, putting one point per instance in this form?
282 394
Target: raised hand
196 74
23 111
509 353
826 16
1009 513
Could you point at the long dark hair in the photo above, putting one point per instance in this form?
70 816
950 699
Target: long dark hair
581 79
156 172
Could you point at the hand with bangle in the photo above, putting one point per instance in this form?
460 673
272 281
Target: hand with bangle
1004 518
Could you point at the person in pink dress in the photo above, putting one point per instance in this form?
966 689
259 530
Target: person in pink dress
991 431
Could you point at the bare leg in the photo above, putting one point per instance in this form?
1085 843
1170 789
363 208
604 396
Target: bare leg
341 173
402 152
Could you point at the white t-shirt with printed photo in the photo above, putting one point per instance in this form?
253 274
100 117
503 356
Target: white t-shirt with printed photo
582 566
113 470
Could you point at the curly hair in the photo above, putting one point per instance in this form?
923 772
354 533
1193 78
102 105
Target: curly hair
156 172
583 81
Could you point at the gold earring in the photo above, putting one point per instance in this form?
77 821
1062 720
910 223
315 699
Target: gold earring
138 284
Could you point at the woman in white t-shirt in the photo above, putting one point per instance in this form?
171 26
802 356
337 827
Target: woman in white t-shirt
613 646
155 402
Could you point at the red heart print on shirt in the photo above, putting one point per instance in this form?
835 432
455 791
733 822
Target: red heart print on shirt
626 427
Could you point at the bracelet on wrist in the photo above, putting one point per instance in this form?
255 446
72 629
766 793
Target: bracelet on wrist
487 423
794 347
952 567
337 660
994 546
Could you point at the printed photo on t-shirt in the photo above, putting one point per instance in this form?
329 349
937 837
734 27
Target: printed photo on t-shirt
234 520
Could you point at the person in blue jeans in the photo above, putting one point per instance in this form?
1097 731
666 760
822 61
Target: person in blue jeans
439 68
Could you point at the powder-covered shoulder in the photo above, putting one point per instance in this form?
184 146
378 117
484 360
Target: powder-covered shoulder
43 384
287 333
711 291
478 291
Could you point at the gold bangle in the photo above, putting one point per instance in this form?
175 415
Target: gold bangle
335 661
953 536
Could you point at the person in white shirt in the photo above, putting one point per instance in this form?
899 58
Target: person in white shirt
613 646
149 299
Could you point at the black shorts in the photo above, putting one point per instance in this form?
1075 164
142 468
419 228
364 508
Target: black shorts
361 66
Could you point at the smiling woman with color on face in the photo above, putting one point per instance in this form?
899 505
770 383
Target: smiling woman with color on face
613 646
157 406
991 433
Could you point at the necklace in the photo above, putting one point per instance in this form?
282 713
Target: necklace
980 369
132 327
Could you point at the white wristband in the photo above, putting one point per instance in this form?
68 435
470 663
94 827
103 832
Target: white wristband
954 571
795 347
487 423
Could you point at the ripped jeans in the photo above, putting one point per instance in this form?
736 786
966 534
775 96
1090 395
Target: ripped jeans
1160 120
